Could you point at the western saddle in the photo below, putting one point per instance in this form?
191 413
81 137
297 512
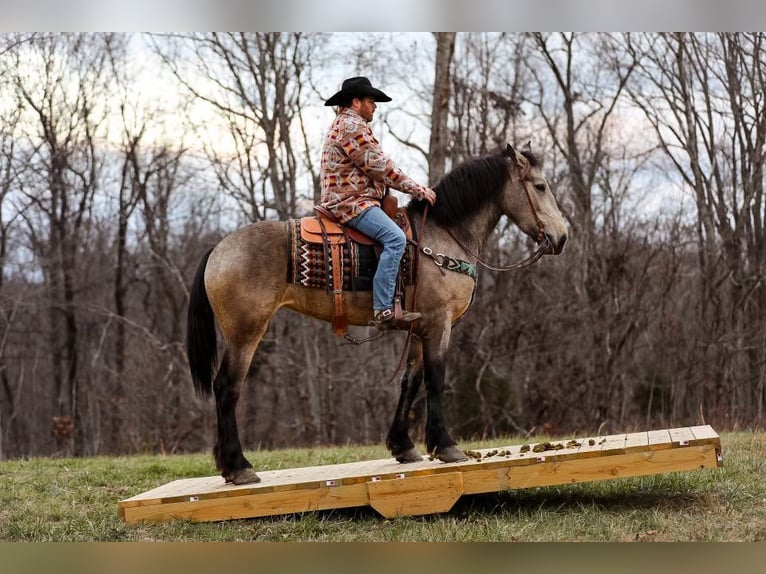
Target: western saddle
323 229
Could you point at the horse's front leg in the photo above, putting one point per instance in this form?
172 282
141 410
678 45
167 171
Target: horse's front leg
398 440
438 440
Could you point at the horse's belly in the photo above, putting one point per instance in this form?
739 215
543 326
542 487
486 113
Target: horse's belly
319 304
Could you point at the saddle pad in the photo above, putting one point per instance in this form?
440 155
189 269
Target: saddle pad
307 265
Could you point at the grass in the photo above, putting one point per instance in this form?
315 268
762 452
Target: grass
47 500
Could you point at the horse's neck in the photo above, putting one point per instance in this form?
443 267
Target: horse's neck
474 231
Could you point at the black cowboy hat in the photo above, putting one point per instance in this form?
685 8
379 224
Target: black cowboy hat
357 87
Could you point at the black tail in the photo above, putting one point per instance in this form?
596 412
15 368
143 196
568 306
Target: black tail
201 347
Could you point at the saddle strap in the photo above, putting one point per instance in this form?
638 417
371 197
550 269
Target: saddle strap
339 318
398 307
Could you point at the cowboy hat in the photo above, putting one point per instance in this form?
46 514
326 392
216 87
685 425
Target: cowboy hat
357 87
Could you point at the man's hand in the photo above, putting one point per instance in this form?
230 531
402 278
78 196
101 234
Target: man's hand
429 195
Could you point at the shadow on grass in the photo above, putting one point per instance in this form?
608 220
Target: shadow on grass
530 502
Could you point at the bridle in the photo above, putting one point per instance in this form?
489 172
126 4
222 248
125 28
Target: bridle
523 173
542 237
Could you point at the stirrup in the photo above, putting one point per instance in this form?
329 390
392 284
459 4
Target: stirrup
386 319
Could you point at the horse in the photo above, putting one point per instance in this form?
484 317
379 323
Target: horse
241 283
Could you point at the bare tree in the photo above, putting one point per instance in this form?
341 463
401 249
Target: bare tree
254 83
487 91
438 144
703 95
127 201
12 427
66 95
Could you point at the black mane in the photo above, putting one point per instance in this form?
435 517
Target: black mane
468 187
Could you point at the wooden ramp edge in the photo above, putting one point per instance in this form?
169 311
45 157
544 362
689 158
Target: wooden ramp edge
429 487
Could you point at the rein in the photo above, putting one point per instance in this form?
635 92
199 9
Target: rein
542 238
544 245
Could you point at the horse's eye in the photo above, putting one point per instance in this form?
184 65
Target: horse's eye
540 187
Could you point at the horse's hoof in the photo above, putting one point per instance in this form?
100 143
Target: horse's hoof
243 476
451 454
409 455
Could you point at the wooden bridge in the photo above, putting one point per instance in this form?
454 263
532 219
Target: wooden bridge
428 487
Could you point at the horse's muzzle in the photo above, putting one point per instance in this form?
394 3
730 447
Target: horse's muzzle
551 246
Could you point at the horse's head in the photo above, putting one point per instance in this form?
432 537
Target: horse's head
529 202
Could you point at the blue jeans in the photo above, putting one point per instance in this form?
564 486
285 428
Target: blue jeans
374 223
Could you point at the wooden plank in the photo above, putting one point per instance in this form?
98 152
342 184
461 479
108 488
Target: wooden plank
613 444
589 447
681 436
416 496
428 486
705 434
637 441
251 505
180 490
276 480
659 439
616 466
482 480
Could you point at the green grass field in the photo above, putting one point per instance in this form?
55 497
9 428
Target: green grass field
45 500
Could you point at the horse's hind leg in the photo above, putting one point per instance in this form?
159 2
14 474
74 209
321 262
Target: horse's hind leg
228 454
398 440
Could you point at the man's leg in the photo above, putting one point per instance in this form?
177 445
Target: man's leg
376 224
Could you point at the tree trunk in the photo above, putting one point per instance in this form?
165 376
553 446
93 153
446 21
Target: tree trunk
439 142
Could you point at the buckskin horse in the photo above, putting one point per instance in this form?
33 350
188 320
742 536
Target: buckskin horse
241 283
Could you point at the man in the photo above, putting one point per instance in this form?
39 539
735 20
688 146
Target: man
355 174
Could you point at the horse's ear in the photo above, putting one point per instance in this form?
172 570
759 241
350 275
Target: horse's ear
520 160
527 147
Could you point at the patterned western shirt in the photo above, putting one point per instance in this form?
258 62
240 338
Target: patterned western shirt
355 171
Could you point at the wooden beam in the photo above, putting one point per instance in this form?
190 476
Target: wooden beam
429 494
427 487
